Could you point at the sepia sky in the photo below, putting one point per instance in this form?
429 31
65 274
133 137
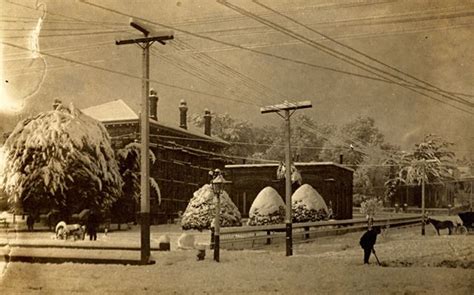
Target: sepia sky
349 57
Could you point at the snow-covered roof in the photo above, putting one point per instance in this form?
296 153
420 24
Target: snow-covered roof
296 163
118 111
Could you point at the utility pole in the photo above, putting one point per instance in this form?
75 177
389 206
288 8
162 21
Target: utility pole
145 44
423 221
470 197
288 109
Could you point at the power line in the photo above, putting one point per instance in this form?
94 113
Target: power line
88 34
245 48
129 75
357 51
348 59
230 72
65 16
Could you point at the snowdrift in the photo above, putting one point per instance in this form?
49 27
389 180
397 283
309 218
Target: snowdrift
308 205
267 208
201 209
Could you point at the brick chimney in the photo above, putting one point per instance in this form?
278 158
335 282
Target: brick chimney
207 122
153 100
183 109
56 104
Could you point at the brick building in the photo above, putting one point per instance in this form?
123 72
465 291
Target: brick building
184 155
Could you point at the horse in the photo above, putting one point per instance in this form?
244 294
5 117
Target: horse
63 231
437 224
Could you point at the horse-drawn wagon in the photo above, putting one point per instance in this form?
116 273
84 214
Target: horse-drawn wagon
467 219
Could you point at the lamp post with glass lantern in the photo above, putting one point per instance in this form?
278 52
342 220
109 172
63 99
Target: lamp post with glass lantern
217 185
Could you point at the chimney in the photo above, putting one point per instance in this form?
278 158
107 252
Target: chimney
207 122
183 109
153 99
56 104
341 159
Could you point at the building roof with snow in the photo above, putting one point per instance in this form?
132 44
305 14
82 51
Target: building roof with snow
118 112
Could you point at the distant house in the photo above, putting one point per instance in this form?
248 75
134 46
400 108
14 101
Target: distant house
442 194
332 181
184 155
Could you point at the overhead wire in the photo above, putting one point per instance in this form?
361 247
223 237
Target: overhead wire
131 76
344 57
358 51
265 53
230 72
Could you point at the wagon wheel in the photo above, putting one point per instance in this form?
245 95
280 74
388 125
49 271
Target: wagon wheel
462 230
61 234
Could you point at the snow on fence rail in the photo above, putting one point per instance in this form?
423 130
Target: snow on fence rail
256 236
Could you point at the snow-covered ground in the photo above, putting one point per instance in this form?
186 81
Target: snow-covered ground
414 264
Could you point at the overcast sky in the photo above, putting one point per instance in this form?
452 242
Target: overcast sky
236 61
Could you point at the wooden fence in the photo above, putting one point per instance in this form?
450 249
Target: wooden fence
258 236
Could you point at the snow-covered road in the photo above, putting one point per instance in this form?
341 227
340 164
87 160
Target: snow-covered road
331 265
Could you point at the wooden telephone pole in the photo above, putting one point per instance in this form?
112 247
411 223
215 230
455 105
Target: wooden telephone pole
145 44
288 109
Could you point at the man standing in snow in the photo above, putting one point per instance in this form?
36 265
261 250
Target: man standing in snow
367 242
92 224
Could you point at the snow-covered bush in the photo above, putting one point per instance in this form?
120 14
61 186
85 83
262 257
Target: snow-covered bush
308 205
201 210
370 207
267 208
60 158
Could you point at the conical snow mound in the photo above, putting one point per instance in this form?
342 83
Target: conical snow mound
267 208
308 205
201 210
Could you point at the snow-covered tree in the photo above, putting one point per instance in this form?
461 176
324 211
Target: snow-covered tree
267 208
201 210
60 159
128 159
308 205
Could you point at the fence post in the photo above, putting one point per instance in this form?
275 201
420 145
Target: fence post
212 239
269 240
306 235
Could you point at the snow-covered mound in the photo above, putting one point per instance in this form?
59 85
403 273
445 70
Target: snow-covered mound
308 205
267 208
201 210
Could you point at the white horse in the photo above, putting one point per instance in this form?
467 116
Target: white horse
64 230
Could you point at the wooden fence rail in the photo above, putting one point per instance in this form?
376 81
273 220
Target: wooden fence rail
257 236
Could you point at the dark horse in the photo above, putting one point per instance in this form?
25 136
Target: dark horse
441 224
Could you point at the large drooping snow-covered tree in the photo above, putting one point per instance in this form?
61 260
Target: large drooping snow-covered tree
201 210
60 159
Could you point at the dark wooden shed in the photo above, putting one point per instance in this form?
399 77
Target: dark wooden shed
332 181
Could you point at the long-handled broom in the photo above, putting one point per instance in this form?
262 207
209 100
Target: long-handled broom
378 261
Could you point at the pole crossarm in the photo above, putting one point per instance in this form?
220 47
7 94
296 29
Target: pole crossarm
286 106
160 39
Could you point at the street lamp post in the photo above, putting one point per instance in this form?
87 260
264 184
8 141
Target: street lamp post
217 185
